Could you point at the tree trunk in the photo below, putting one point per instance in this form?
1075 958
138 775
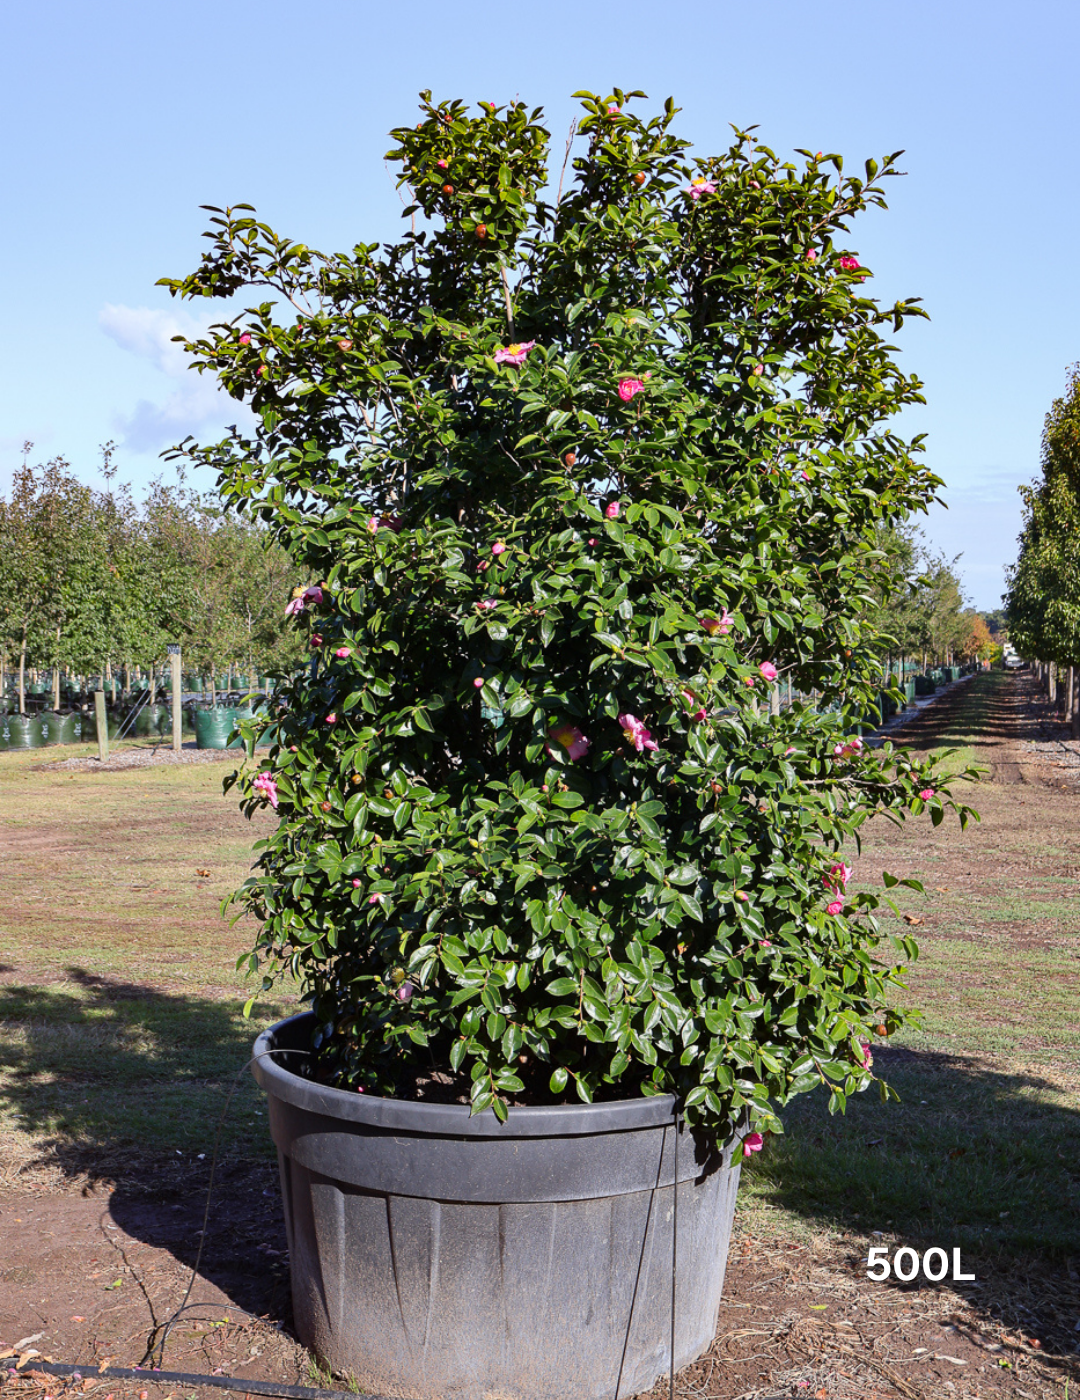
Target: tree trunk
213 690
56 676
127 678
152 683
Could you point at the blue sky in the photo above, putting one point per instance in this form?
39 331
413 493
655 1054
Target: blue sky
120 119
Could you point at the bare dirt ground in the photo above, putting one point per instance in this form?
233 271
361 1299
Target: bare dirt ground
96 1255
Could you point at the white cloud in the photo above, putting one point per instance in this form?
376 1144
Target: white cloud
195 403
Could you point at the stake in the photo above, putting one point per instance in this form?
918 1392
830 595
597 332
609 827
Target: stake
176 709
102 725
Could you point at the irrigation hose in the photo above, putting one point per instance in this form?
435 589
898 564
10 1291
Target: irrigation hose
135 1373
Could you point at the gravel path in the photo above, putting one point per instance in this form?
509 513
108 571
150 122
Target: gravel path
150 755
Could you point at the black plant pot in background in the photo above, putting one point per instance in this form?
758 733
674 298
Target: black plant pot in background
434 1254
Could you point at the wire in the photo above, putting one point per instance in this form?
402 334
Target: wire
160 1334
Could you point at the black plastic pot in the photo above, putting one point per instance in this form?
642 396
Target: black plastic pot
434 1254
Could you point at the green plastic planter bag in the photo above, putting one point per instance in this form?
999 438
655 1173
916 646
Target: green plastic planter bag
25 732
212 728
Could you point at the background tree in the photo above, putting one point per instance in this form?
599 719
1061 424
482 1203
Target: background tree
1043 599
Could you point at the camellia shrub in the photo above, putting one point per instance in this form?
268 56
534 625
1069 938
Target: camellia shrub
584 471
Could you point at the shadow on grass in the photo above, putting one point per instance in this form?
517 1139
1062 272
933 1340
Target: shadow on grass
971 1158
112 1081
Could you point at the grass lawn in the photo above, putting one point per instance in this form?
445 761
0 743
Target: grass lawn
120 1007
984 1149
122 1026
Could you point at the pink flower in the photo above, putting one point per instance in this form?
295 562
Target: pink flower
376 898
514 354
613 112
867 1058
752 1142
483 565
294 608
611 510
405 991
331 718
498 548
768 671
385 522
759 369
718 625
356 884
591 543
343 652
442 164
636 732
805 476
314 595
838 875
742 896
764 943
628 388
789 750
265 786
836 907
699 186
570 738
926 794
849 264
811 255
479 682
245 339
485 603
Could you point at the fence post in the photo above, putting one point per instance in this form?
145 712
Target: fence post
177 711
102 725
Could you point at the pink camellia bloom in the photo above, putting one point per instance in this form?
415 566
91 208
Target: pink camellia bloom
718 626
514 354
591 543
331 718
636 732
838 875
926 794
483 565
479 682
294 608
376 898
696 188
265 786
570 737
485 603
629 387
811 255
442 164
742 896
314 594
611 510
316 642
850 264
698 715
836 907
614 112
764 943
789 750
498 548
805 476
245 339
405 991
867 1057
752 1142
356 884
384 522
768 670
759 369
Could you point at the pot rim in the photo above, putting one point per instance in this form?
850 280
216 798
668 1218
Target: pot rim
453 1120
